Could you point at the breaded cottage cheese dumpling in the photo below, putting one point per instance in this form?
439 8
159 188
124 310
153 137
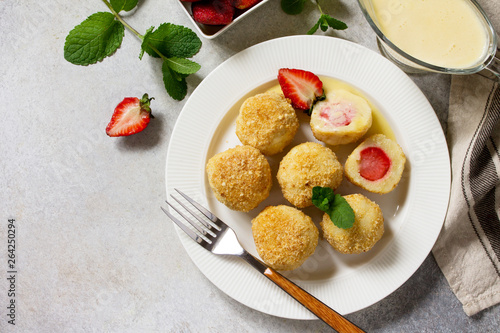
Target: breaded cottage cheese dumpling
267 122
367 229
376 164
284 236
240 177
305 166
341 118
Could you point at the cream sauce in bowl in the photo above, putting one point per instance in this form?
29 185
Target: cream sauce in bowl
445 33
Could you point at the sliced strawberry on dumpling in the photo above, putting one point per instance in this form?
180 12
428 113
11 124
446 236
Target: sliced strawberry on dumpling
376 165
302 87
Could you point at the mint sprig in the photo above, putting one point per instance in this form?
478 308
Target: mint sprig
334 205
101 34
325 21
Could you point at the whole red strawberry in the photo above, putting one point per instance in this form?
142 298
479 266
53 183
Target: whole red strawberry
131 116
213 12
303 88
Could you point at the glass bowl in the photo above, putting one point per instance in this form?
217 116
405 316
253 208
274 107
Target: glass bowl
488 64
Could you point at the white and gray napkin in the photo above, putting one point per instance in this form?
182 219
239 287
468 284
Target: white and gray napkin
468 248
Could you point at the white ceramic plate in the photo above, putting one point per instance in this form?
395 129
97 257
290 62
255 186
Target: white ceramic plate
211 32
414 212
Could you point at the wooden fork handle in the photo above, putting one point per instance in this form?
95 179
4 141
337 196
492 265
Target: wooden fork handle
325 313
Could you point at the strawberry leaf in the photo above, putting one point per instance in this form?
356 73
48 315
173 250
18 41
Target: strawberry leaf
175 83
171 41
126 5
96 38
182 65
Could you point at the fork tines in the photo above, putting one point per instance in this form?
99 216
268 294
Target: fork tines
203 229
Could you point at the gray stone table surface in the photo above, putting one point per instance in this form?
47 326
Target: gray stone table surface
94 253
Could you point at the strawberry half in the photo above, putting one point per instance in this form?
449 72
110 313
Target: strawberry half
374 163
131 116
303 88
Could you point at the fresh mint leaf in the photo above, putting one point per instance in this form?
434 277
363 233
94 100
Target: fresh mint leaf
322 197
182 65
334 205
141 54
323 23
99 36
334 23
126 5
314 28
292 7
175 83
343 215
171 41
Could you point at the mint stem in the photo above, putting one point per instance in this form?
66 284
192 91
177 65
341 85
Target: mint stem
119 18
141 37
319 7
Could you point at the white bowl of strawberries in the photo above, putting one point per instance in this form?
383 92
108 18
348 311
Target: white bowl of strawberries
212 17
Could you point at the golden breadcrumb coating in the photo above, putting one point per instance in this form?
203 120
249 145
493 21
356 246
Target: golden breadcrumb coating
240 177
367 229
393 174
284 236
267 122
305 166
341 118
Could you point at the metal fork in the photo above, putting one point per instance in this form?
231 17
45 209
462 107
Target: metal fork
218 238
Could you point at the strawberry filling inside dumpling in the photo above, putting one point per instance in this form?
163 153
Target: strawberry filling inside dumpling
374 163
338 114
341 118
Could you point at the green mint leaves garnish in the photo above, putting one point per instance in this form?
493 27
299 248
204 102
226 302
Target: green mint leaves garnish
171 41
101 34
334 205
182 65
94 39
175 83
325 21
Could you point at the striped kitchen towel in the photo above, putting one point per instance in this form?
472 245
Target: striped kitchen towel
468 248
